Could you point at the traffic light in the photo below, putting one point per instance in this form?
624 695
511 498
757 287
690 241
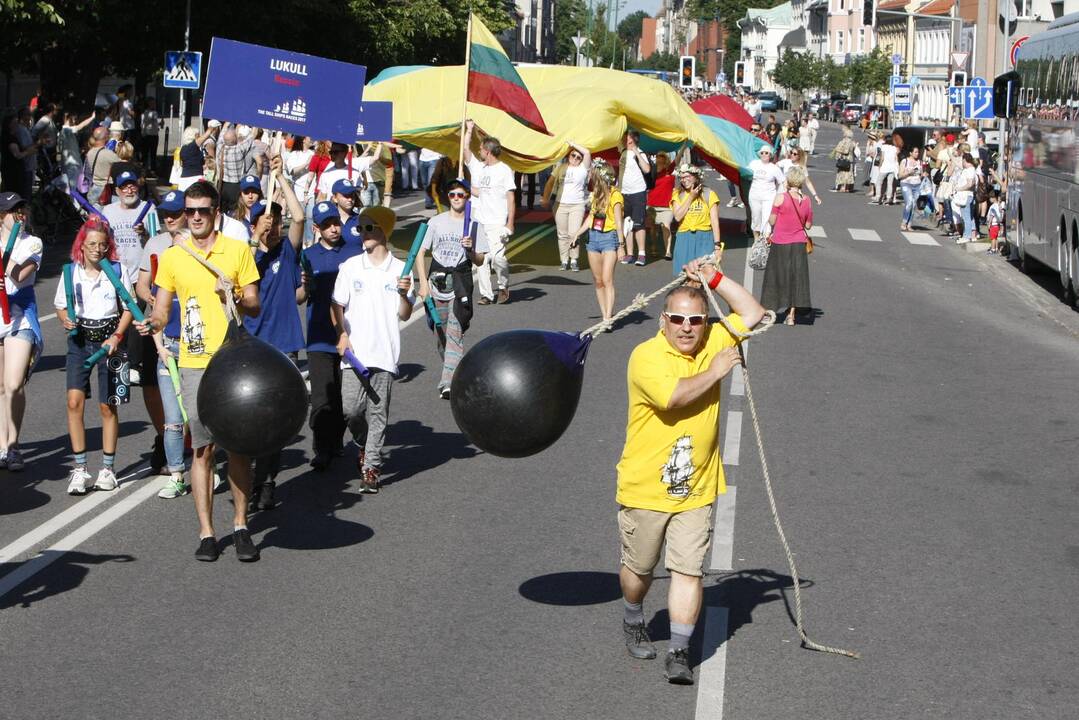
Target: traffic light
868 13
688 67
739 73
959 78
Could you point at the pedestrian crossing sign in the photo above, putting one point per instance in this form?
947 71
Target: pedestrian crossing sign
183 69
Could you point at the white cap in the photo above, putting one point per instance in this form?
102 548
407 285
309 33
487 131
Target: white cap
214 123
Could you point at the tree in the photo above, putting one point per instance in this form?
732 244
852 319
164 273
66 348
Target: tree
570 18
631 28
795 71
659 61
728 12
869 73
832 77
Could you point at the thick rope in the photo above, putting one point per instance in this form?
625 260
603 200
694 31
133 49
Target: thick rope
806 641
230 305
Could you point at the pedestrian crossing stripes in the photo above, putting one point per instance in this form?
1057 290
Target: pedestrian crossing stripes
817 232
920 238
868 235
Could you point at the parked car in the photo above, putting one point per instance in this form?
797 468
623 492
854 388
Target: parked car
769 101
852 112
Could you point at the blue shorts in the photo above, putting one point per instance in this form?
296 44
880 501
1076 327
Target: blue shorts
113 373
26 335
600 242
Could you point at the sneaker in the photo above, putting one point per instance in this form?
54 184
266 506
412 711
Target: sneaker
265 498
369 481
573 267
565 266
503 296
78 481
3 459
219 482
321 461
677 667
157 456
444 393
174 487
245 548
207 551
14 460
484 300
106 480
627 259
640 261
638 643
741 204
731 202
133 377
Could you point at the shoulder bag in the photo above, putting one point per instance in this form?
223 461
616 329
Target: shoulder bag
802 224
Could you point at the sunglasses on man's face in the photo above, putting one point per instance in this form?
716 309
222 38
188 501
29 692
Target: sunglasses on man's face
203 211
677 319
367 227
457 194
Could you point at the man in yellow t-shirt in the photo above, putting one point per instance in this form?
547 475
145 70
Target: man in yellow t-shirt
670 472
203 326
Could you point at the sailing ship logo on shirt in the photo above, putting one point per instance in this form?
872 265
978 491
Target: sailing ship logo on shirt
194 328
679 467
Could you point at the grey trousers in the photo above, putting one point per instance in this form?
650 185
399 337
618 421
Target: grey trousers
367 412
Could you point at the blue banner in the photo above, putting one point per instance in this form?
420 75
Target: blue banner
280 90
376 122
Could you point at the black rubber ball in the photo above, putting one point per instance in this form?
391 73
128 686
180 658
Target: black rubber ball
252 399
515 393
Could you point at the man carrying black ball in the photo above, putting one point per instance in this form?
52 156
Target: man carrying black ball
203 326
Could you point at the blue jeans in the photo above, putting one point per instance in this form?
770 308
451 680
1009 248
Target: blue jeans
910 199
427 169
371 195
968 220
174 419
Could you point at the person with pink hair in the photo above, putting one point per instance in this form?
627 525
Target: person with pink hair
89 306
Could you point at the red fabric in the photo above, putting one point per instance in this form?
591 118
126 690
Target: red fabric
318 163
725 107
512 99
660 195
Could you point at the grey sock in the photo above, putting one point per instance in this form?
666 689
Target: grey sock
680 636
634 612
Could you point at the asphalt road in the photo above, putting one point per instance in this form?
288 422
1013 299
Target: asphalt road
920 429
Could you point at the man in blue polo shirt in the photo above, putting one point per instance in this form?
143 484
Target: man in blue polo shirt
344 197
320 264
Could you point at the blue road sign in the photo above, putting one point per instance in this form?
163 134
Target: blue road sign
897 59
183 69
955 95
721 78
978 100
902 98
893 81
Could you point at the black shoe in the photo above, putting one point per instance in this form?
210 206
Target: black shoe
677 667
207 551
245 549
321 461
157 456
638 643
266 496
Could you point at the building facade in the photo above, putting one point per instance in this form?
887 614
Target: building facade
532 41
849 33
762 33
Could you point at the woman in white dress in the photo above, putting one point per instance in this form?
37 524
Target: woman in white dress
767 181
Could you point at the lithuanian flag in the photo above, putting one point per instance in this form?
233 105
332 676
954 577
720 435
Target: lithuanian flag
493 81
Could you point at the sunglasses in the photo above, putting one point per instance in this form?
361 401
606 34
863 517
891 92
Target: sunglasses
203 211
457 194
576 156
677 319
367 227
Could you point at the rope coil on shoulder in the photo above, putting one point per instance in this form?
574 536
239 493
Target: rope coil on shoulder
766 324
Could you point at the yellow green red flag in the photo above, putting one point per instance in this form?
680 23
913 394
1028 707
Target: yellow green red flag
493 81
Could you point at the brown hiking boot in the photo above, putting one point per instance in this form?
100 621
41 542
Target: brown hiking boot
369 480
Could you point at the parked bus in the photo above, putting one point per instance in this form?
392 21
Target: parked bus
1041 99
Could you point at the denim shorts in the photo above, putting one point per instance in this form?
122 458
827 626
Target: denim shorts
26 335
600 242
113 381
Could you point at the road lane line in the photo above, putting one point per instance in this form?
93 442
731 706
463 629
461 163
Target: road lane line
817 232
712 673
920 238
723 536
76 538
862 234
732 439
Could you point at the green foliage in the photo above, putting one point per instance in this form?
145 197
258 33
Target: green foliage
570 17
605 47
659 61
729 12
796 71
869 73
632 25
832 77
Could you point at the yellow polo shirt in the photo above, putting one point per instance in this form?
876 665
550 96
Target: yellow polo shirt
671 458
202 316
699 215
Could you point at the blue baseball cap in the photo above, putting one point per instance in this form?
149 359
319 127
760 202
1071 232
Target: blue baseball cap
126 177
260 207
343 186
250 182
172 202
458 182
325 211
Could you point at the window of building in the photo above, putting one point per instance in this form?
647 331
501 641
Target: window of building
861 39
839 42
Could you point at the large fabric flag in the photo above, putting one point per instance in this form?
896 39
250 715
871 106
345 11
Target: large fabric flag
493 81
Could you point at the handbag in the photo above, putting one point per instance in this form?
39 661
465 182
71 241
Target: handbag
962 198
85 180
842 164
758 253
944 190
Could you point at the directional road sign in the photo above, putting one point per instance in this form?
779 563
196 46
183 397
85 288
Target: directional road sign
183 69
978 100
955 95
902 98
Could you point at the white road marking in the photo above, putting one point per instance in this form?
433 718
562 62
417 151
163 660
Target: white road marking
920 238
738 387
861 234
712 673
76 538
817 232
723 536
732 439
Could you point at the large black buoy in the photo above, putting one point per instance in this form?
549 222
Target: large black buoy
514 393
252 399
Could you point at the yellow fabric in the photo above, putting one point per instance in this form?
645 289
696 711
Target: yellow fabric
699 215
609 221
482 36
180 273
591 106
655 435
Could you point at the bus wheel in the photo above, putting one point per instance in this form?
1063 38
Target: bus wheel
1071 287
1021 249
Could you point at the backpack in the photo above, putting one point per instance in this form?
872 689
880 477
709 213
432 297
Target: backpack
85 180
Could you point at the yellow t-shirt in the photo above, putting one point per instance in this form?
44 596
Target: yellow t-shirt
699 215
671 458
609 221
202 316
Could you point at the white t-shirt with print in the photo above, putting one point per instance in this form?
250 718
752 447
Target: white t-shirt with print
128 243
767 177
443 239
95 298
368 294
490 183
632 177
27 247
331 175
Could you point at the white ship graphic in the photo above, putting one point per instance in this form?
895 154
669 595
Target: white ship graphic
679 467
193 328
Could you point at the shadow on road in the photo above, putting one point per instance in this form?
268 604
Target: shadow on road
569 589
418 448
65 573
557 280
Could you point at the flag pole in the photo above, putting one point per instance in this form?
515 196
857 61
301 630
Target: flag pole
464 104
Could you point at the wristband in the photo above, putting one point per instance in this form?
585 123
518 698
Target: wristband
118 336
714 282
